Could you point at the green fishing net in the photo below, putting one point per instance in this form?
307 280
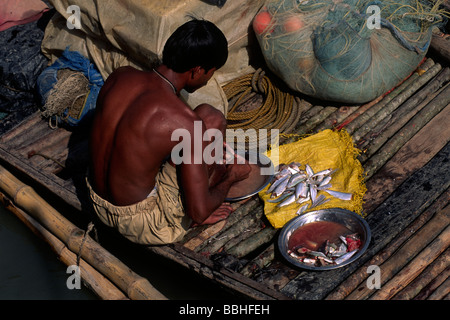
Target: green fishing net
348 51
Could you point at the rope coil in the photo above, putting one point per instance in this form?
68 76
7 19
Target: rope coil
279 110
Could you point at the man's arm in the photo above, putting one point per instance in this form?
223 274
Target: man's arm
200 198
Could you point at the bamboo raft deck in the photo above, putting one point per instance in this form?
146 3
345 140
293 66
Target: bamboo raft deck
405 147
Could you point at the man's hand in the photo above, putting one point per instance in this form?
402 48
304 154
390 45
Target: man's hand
238 172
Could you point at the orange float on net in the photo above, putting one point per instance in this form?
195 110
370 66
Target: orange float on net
262 22
293 23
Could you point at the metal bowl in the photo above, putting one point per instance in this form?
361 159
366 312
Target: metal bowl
261 175
347 218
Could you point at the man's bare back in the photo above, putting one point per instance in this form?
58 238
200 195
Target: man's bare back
131 135
130 125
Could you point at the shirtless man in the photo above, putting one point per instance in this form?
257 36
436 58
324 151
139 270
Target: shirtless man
131 139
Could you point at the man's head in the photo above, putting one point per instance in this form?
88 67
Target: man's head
197 45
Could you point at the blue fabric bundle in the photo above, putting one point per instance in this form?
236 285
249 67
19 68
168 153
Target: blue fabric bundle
72 60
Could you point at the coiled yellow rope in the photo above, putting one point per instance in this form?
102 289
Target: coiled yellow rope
279 110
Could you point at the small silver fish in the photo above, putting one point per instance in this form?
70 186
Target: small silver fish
280 198
339 195
317 254
295 179
339 251
309 170
325 172
275 183
309 261
289 200
313 193
301 200
345 257
302 209
295 166
325 181
324 187
321 199
281 187
302 190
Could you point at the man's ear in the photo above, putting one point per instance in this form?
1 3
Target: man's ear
196 71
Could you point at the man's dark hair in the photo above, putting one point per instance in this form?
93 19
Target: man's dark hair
195 43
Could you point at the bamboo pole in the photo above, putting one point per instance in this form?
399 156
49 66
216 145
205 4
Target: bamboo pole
354 115
248 245
248 232
135 286
205 235
407 252
391 124
309 122
357 278
260 261
397 119
247 216
409 130
434 273
203 231
401 99
100 285
336 117
415 267
398 95
433 285
441 292
316 120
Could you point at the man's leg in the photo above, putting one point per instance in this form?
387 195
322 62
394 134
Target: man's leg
214 119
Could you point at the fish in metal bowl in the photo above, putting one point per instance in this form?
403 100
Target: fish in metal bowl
324 239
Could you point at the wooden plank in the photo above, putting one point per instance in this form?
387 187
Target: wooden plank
434 274
400 209
259 262
415 267
276 275
433 285
49 182
440 44
391 147
402 107
359 277
404 255
25 125
205 267
47 138
410 158
336 117
441 292
31 131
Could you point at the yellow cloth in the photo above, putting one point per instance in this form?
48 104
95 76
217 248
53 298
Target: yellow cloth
324 150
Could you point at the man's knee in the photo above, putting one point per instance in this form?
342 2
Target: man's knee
211 117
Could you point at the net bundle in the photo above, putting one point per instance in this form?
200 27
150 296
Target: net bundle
348 51
68 95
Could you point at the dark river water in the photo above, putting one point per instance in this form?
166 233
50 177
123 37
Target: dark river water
29 270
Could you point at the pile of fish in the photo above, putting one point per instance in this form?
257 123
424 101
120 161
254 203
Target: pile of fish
328 253
293 185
